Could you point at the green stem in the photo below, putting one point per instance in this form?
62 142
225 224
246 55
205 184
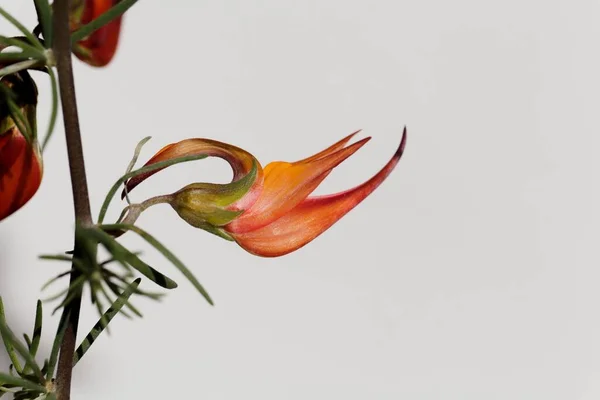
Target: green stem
83 217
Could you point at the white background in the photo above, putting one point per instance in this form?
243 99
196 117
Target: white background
470 274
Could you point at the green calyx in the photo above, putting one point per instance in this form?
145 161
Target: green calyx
76 8
203 205
18 95
197 213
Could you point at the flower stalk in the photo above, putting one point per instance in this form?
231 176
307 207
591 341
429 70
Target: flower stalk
133 211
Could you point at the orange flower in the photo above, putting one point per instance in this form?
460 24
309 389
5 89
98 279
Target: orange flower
99 48
20 157
268 212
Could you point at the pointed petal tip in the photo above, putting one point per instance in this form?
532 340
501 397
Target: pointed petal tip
400 150
362 141
353 148
350 136
340 144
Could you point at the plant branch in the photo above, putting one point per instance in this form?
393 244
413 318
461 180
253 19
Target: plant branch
62 51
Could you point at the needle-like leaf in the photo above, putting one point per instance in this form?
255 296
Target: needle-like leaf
26 48
27 340
126 256
56 257
117 293
104 321
136 155
37 329
6 379
52 280
44 13
16 344
54 109
32 39
116 290
13 56
165 252
14 359
60 333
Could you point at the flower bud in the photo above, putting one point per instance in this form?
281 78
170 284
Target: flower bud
20 156
99 48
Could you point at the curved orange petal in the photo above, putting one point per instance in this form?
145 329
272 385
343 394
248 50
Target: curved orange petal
99 48
240 161
287 184
311 217
20 171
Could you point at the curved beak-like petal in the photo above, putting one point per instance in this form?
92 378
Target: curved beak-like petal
99 48
287 184
311 217
240 161
20 171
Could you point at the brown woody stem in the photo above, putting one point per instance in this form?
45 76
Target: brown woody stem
83 217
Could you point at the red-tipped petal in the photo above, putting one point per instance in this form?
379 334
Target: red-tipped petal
311 217
286 185
100 47
240 160
20 172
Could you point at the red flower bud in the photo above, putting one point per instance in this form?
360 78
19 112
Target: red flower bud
20 157
99 48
